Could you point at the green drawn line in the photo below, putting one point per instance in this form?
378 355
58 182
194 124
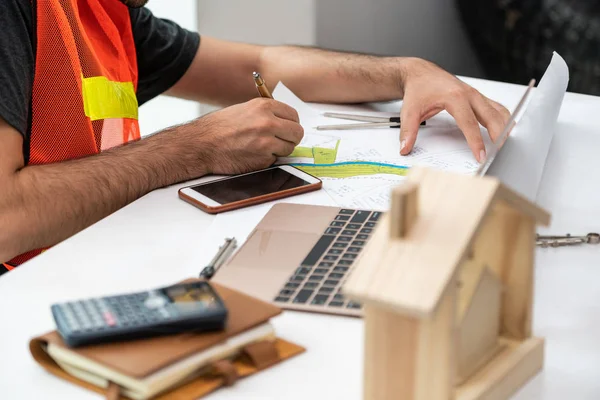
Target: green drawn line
352 168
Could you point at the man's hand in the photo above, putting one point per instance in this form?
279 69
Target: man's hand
221 74
43 204
245 137
429 89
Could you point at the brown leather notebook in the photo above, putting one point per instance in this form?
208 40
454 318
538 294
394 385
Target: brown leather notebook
142 358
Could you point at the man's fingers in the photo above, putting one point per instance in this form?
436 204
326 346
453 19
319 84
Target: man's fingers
501 109
289 131
467 122
488 115
283 111
410 120
281 148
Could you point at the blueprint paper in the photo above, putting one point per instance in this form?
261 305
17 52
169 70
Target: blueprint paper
521 161
362 155
440 144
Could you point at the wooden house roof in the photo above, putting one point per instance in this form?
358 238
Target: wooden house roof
410 274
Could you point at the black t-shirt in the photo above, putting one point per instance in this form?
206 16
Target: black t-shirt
164 53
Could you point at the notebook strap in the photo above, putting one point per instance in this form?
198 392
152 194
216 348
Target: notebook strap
227 371
262 354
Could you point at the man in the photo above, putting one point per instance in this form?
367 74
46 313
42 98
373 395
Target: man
72 74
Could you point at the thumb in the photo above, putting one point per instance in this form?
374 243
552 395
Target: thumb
410 120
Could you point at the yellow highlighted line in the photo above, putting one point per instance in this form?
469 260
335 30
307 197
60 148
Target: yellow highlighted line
352 168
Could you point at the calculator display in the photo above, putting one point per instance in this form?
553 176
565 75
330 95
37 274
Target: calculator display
187 294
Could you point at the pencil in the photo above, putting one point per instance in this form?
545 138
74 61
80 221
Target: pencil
261 86
366 125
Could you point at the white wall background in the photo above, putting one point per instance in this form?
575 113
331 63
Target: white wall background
430 29
164 111
259 21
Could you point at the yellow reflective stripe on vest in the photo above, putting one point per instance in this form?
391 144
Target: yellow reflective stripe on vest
103 99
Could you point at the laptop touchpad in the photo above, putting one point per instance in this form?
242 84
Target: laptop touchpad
274 249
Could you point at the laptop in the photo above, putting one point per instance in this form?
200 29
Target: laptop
299 256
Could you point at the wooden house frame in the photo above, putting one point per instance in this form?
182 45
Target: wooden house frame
447 287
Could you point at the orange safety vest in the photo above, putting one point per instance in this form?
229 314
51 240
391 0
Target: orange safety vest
84 89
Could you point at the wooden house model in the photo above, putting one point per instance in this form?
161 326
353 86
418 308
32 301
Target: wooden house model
447 287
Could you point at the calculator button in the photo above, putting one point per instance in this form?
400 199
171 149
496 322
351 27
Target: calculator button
98 323
109 319
171 310
78 309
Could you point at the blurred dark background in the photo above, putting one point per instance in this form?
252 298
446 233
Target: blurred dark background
504 40
514 39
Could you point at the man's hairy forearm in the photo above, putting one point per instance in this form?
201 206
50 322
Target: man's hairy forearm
324 76
221 73
45 204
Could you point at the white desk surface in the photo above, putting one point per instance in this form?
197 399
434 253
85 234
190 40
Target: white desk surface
146 245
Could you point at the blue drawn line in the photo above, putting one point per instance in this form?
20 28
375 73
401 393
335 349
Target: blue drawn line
350 163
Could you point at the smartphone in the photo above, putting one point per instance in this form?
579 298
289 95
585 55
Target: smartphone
249 189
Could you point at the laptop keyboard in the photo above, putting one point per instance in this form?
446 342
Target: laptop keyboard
318 280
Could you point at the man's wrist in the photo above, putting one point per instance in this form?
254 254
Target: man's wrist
404 66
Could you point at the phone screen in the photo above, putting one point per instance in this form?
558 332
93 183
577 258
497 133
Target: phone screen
251 185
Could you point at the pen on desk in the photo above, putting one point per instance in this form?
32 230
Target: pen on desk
371 121
261 86
219 259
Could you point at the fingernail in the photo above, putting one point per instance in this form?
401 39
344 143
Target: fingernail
402 145
482 156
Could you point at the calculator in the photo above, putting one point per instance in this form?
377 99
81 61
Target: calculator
173 309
